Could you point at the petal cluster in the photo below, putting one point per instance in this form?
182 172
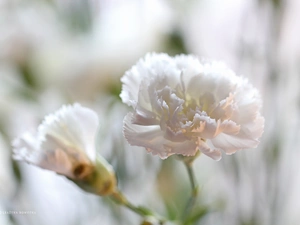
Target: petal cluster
63 143
182 105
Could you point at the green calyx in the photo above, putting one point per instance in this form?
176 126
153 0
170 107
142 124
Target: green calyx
98 179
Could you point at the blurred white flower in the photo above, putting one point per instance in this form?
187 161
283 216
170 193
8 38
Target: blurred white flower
64 139
182 105
64 143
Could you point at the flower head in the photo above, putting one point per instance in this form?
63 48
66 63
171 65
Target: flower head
182 105
64 143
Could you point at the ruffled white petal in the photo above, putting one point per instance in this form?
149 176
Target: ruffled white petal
152 138
74 126
212 153
151 65
230 144
26 148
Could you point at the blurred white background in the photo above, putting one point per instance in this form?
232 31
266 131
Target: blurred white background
55 52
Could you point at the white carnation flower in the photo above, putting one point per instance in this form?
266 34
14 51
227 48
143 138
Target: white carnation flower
65 143
182 105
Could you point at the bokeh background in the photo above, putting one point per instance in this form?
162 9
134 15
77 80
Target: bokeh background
55 52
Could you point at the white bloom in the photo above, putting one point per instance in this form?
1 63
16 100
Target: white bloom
64 139
64 143
182 105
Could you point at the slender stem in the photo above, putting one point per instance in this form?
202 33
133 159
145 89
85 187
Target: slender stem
191 176
191 202
120 199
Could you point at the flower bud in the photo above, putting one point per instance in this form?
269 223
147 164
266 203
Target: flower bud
64 143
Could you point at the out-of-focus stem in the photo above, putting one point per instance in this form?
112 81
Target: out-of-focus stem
120 199
191 202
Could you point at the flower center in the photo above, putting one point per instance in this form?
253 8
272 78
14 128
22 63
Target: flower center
82 170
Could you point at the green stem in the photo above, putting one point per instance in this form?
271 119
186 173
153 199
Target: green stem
191 202
120 199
